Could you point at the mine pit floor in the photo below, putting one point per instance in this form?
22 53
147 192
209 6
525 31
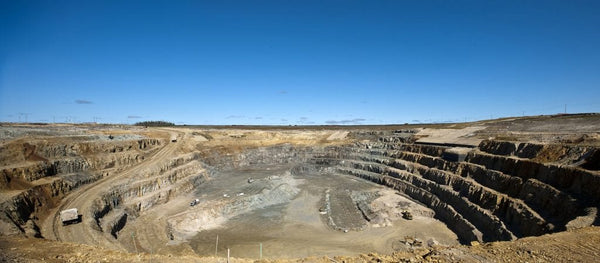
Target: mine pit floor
294 227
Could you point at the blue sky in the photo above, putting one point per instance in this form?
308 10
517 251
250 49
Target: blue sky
296 62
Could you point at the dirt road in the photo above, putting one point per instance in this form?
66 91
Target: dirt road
321 209
87 231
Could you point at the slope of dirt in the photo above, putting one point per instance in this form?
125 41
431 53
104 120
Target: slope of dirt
580 245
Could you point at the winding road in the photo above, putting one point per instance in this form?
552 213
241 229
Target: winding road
87 231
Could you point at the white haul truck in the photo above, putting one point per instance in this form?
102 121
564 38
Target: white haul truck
69 216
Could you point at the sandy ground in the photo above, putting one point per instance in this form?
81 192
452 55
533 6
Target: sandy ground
82 199
293 227
338 135
579 245
464 136
277 210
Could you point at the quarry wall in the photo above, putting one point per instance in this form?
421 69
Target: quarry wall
500 190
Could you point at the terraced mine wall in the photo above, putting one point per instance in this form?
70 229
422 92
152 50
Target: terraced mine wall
495 192
278 154
500 191
150 188
35 175
158 185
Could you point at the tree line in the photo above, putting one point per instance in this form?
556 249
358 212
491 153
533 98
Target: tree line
154 123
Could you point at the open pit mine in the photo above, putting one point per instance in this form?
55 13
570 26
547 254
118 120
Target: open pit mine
523 189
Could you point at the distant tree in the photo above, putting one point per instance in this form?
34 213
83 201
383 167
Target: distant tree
154 123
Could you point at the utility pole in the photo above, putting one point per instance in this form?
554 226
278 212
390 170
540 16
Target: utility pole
133 239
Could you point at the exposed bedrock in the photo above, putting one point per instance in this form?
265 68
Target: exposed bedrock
38 170
151 186
497 191
36 175
279 154
492 194
586 157
37 150
570 179
213 213
29 162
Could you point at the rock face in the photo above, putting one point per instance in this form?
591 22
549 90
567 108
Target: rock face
212 214
36 174
152 187
497 191
500 191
